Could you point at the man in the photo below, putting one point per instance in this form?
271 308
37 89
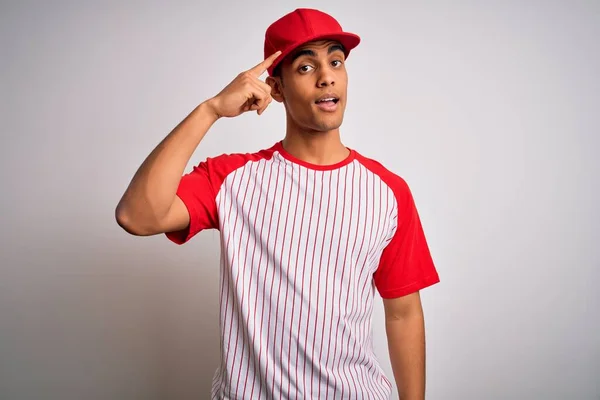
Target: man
309 229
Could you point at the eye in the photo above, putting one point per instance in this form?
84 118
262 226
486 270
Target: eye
339 62
304 68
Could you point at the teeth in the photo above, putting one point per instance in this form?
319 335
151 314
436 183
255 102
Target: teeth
329 99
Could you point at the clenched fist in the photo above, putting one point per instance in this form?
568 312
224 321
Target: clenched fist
245 93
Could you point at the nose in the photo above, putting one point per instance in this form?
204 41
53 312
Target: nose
326 78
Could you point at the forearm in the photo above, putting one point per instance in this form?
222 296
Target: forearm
406 343
152 190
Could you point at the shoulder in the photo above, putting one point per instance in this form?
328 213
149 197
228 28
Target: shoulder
219 166
392 179
405 200
228 162
236 160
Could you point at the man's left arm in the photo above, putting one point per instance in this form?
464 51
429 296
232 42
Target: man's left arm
405 329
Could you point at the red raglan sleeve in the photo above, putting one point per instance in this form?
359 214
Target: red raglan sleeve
406 264
197 189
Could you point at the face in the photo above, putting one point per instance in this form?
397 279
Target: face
313 86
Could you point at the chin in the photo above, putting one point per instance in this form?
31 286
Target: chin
330 127
317 122
329 124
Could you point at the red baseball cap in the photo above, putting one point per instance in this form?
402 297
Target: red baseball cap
301 26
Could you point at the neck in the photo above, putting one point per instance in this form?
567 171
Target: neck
320 148
324 148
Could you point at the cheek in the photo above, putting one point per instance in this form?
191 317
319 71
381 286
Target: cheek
299 101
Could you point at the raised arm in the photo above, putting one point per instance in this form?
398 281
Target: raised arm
150 205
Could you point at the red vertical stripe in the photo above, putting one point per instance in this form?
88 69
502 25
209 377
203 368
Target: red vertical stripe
251 353
310 291
262 309
226 271
239 329
273 266
302 289
294 285
291 327
237 267
340 281
281 272
313 361
344 268
257 358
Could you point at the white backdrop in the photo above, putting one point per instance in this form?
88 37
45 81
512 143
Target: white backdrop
488 109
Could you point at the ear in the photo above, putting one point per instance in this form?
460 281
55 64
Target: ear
276 92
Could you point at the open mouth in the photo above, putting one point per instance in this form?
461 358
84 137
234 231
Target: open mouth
328 100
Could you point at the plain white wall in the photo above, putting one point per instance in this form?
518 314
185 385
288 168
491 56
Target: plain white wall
488 109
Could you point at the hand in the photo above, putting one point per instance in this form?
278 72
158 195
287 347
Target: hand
245 93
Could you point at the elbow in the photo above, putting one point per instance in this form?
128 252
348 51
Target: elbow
125 220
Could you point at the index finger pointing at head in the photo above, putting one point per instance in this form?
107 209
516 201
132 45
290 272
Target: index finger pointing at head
265 64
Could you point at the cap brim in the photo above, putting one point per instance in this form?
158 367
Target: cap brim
347 39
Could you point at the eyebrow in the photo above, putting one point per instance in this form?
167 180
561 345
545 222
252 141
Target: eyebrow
310 53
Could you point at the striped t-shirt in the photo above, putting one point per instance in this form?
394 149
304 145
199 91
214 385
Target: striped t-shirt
303 249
